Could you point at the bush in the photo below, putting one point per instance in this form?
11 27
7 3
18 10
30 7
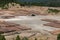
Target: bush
2 37
6 2
18 38
33 15
58 37
53 11
25 38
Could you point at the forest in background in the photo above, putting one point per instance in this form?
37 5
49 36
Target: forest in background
49 3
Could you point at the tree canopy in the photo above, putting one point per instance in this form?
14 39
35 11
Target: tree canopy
5 3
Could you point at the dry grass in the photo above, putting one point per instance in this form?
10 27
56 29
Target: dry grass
29 10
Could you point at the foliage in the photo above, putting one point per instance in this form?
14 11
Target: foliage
58 37
4 4
54 4
2 37
53 11
18 38
25 38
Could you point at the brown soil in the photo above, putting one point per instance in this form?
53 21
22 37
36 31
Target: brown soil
9 27
53 23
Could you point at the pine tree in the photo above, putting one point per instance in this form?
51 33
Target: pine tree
18 38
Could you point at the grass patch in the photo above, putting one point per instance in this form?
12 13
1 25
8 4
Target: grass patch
53 11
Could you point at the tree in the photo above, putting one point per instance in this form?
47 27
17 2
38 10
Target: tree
25 38
18 38
5 3
58 37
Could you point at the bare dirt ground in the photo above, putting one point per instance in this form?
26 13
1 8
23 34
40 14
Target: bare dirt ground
37 24
33 22
53 23
23 11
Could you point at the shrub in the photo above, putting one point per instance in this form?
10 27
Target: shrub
33 15
53 11
58 37
2 37
18 38
25 38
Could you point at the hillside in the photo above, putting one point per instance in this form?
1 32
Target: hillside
49 3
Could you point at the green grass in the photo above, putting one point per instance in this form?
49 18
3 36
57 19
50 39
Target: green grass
53 11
